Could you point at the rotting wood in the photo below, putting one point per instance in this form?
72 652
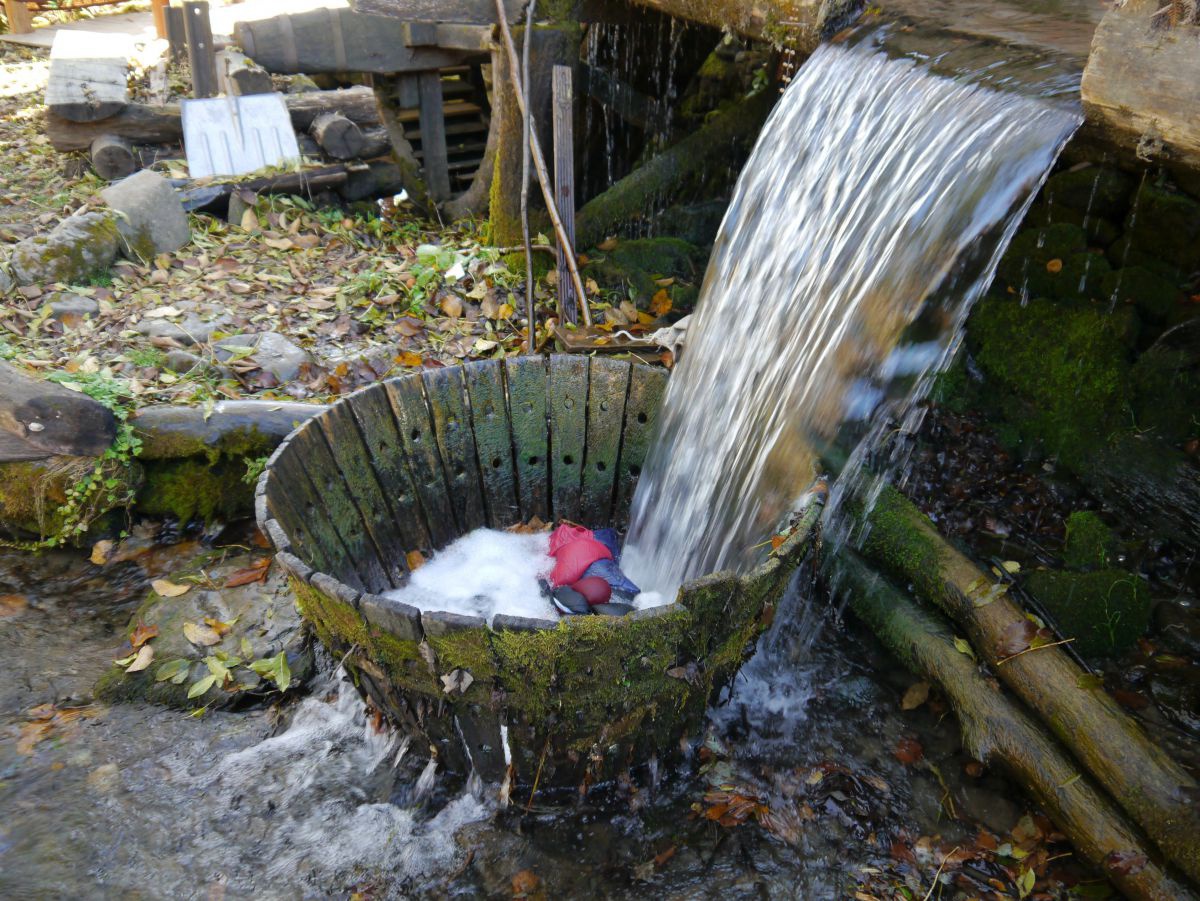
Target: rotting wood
526 380
646 388
433 135
446 394
112 157
564 186
493 440
339 40
307 181
466 12
88 78
41 419
409 407
568 434
338 136
608 386
202 58
996 731
1151 787
526 139
176 32
238 76
804 23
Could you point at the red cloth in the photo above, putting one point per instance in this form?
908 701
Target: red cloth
565 534
573 558
595 589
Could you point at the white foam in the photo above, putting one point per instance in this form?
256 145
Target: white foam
484 573
649 599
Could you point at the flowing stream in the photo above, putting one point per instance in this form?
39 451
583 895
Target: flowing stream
877 192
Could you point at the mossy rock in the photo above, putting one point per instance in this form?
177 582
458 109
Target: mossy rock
1166 224
263 622
31 493
1094 191
1099 231
633 268
1053 261
1123 253
197 488
1105 611
1166 393
1064 367
1089 541
1155 297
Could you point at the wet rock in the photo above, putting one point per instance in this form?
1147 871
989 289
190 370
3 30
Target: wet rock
271 351
241 624
192 329
1094 190
1104 611
182 361
1053 261
152 220
237 427
71 308
32 493
6 282
1099 231
1166 390
1089 541
1177 628
79 248
1166 224
1177 693
1154 296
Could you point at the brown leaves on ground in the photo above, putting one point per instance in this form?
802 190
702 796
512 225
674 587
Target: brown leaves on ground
142 634
12 604
47 721
730 809
169 589
527 884
908 751
255 573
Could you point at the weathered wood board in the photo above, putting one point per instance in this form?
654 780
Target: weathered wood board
40 419
89 75
1141 87
466 12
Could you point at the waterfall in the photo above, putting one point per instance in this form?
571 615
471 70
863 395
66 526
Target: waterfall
877 191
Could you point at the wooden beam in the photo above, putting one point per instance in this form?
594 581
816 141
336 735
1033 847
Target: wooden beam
627 102
338 136
806 22
40 419
20 21
89 75
338 40
176 33
158 10
201 53
473 38
466 12
433 136
564 185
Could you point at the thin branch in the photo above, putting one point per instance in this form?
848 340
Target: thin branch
1052 644
527 40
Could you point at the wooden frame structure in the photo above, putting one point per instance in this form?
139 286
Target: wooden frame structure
20 12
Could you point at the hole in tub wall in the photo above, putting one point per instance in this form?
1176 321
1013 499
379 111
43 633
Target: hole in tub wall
569 403
601 466
642 418
458 469
528 407
604 405
635 471
452 423
489 412
534 461
415 435
495 463
568 460
328 483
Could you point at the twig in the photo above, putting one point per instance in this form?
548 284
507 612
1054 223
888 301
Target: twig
1052 644
539 165
525 132
537 778
941 866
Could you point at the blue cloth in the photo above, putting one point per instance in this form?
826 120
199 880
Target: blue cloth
611 573
610 539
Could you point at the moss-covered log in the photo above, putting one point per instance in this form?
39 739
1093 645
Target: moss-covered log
996 731
800 24
686 168
1155 790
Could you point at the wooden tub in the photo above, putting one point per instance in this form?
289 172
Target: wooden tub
413 463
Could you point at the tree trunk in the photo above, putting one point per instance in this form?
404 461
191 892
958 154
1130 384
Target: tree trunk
338 136
998 732
1155 790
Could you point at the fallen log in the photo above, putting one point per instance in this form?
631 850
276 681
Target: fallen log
142 124
112 157
996 731
238 76
800 24
720 145
338 136
40 419
1153 789
307 181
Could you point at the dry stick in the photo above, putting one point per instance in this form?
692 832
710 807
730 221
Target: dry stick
997 731
531 343
539 165
1158 793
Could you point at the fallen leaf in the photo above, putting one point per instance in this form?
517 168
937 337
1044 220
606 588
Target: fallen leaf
274 668
452 306
917 694
162 313
256 573
591 287
203 636
142 634
525 884
1054 266
222 629
415 560
200 686
101 551
143 659
607 244
908 751
249 221
408 358
169 589
1016 637
660 304
1125 863
964 647
12 604
174 671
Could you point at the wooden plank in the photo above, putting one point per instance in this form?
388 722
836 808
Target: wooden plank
382 436
20 20
338 40
89 74
176 32
308 511
456 442
299 527
466 12
493 441
564 186
40 419
608 384
568 428
445 36
646 387
158 11
310 447
353 459
201 52
527 383
433 128
407 397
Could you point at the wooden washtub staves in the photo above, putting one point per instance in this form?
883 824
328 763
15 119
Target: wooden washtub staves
413 463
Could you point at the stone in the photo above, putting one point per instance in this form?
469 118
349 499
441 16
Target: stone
1155 297
152 220
79 248
72 307
191 330
6 282
183 361
1177 628
270 351
1094 190
1166 224
1105 611
262 620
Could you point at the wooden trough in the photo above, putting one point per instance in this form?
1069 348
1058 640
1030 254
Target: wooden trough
413 463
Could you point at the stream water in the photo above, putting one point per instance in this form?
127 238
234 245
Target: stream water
876 190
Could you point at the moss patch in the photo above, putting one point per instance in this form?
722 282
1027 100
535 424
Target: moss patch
1096 191
1089 541
197 489
1154 296
1104 611
1166 394
1166 224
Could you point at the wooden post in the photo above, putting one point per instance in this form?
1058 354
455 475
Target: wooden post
433 136
158 10
201 54
19 19
564 186
113 157
176 33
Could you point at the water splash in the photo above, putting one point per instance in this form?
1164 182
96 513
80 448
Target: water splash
874 186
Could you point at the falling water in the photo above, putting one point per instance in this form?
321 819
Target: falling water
875 188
